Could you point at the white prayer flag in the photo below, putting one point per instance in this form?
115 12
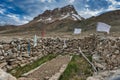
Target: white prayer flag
64 46
102 27
77 31
18 47
35 40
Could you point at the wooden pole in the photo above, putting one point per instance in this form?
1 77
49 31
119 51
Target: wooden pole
88 60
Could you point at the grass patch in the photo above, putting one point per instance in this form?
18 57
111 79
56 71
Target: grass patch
18 71
77 69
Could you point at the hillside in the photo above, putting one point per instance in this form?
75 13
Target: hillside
112 18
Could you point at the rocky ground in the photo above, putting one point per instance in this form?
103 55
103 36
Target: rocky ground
49 69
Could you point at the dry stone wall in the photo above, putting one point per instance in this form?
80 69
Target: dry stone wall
105 51
106 55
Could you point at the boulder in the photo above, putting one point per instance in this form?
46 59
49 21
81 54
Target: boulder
6 76
94 78
1 46
3 64
1 57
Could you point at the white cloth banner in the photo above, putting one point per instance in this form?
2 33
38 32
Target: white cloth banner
102 27
64 46
77 31
35 40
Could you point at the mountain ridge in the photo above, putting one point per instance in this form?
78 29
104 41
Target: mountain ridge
50 16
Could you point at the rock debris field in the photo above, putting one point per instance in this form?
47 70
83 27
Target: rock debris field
105 51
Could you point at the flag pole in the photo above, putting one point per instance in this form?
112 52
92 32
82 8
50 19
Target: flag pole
88 60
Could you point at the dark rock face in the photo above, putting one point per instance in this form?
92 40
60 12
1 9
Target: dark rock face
59 11
58 14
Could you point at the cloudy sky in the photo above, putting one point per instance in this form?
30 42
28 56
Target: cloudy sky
22 11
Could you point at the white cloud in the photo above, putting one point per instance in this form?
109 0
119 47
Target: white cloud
45 8
2 11
27 18
13 16
51 1
88 0
113 5
113 2
87 6
88 13
42 0
2 23
71 1
47 1
16 18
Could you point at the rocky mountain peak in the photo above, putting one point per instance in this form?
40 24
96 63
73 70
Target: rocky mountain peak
67 12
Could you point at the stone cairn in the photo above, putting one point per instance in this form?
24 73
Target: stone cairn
105 51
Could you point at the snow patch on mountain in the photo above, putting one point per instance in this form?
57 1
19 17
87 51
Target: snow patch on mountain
39 20
74 18
49 19
65 16
77 16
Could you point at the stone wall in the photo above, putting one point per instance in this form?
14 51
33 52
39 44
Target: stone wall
105 51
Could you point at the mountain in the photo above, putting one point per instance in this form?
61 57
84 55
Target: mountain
67 12
52 20
65 19
55 18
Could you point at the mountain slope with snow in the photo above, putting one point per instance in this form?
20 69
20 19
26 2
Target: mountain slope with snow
67 12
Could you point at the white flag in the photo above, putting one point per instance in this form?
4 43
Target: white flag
64 46
35 40
77 31
102 27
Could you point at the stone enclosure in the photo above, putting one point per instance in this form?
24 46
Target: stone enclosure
105 51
